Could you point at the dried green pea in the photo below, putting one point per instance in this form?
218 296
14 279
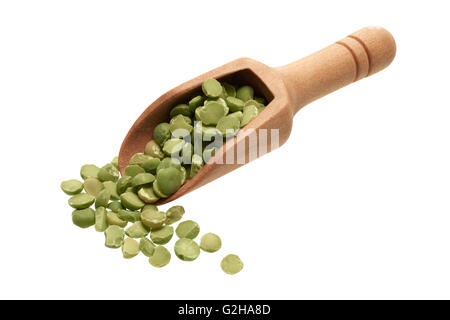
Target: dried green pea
71 187
210 242
188 229
195 102
146 246
101 223
115 206
130 216
81 201
153 149
169 162
182 109
212 88
123 184
112 189
130 248
89 171
234 104
133 170
139 159
149 207
114 236
160 257
93 186
137 230
102 198
131 201
230 90
186 249
142 179
211 113
115 162
147 195
157 191
228 126
249 113
153 219
260 100
151 165
245 93
161 133
173 146
174 214
179 127
196 165
162 236
168 181
108 173
83 218
231 264
113 219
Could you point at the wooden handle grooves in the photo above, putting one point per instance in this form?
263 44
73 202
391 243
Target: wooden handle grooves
357 56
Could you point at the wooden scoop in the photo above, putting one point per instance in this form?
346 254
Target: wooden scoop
287 89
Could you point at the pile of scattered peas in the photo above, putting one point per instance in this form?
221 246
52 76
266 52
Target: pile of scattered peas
166 163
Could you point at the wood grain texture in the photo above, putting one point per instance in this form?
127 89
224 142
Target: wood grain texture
287 89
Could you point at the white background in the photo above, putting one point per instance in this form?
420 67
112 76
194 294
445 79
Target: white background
354 205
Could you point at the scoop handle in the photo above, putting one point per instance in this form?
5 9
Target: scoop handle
359 55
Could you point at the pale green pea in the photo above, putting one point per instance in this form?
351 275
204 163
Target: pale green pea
174 214
238 115
71 187
112 189
130 248
229 89
83 218
123 183
132 170
173 146
130 216
196 165
153 219
149 207
179 127
260 100
162 236
235 104
212 88
114 236
81 201
228 126
188 229
158 192
151 165
131 201
147 195
168 181
102 198
250 112
210 242
186 249
93 186
160 257
108 173
115 162
218 100
146 246
183 175
231 264
211 113
182 109
245 93
139 159
115 206
169 162
101 223
195 102
113 219
142 179
153 149
161 133
137 230
89 171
